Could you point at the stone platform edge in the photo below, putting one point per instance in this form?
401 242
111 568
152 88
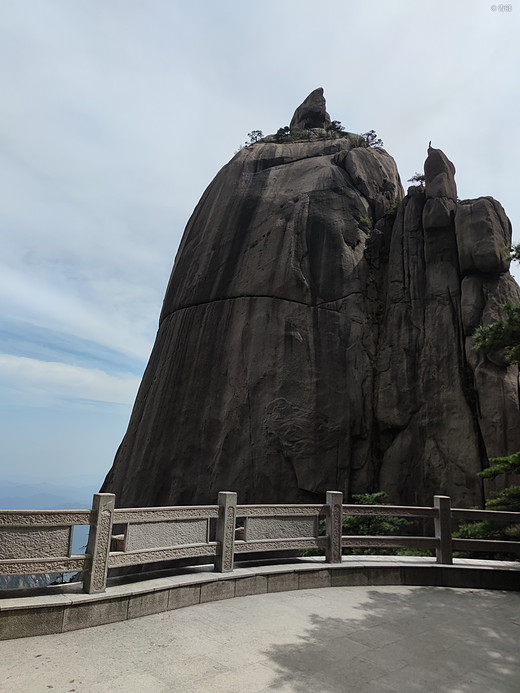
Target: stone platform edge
69 609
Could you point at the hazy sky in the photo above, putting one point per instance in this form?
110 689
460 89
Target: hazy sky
116 115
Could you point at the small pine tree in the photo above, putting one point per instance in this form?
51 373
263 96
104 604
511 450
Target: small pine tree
359 525
501 530
509 498
503 334
335 126
379 525
254 136
283 134
371 139
418 178
502 465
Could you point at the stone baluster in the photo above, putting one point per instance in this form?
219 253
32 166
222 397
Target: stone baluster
334 500
98 548
227 501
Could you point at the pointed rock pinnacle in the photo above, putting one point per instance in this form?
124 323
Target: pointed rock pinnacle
311 113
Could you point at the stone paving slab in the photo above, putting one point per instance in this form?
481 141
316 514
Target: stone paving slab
355 639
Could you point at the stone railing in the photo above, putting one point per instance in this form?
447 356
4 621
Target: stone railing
40 541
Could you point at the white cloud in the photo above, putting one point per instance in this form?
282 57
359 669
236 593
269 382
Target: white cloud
38 303
45 382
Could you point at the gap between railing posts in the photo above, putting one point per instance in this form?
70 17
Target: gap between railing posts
442 523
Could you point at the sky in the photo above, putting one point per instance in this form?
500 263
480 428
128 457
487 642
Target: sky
115 117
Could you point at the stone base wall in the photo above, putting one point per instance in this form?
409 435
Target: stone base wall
64 610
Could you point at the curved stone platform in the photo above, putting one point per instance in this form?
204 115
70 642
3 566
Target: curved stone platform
380 639
66 608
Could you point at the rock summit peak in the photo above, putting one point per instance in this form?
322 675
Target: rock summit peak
311 113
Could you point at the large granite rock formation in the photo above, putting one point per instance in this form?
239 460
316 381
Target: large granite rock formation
316 334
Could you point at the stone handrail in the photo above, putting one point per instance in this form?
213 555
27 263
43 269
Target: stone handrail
40 541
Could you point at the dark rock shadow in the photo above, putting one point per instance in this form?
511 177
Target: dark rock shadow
426 640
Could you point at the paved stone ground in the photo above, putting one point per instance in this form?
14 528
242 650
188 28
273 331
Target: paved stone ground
341 639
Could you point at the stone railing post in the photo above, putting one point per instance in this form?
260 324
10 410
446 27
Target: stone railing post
227 501
334 526
95 577
443 529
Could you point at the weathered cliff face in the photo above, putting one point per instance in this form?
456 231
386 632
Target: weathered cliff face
315 335
444 408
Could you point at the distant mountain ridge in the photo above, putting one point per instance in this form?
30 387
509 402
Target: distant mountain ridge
44 496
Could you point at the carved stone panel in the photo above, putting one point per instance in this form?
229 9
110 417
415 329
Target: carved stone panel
41 542
149 535
281 527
